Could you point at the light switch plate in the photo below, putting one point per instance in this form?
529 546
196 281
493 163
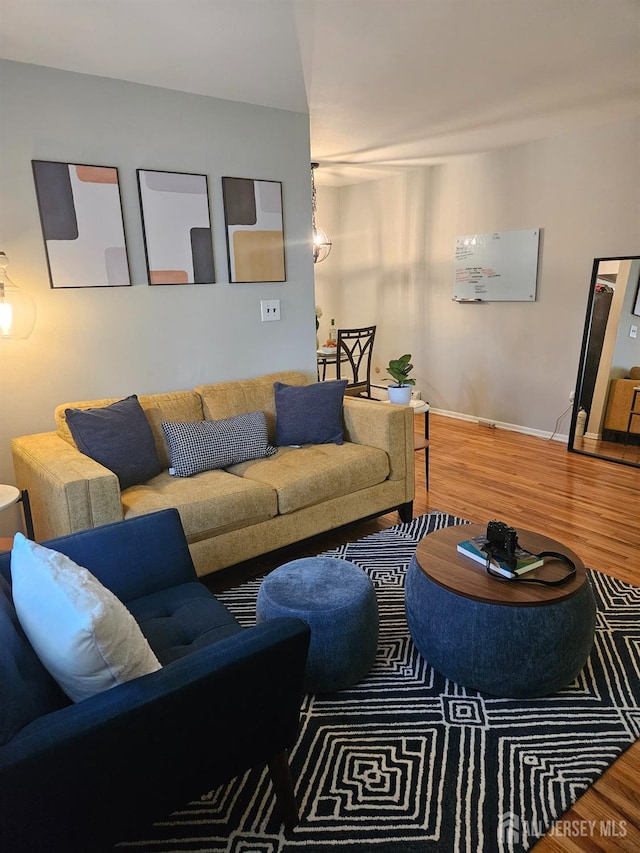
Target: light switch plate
269 309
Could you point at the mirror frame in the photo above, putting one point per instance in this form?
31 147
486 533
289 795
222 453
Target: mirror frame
582 365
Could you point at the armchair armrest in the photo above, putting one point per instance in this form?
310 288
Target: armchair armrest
158 741
388 427
68 491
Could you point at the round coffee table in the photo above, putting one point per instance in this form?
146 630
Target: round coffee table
505 638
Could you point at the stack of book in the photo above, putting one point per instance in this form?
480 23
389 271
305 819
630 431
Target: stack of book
526 560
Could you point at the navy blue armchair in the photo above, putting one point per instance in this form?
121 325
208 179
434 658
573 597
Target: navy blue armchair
80 777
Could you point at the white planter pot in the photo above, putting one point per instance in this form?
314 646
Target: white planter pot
400 395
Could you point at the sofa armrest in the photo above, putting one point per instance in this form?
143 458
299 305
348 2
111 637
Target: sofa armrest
68 491
155 742
390 428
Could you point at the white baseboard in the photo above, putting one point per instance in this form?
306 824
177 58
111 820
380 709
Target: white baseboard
539 433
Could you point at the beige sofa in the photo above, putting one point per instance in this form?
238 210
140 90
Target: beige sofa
245 510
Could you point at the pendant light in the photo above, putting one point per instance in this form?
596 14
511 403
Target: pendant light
17 308
321 240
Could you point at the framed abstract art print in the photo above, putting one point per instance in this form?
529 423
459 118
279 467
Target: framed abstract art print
254 228
82 226
177 227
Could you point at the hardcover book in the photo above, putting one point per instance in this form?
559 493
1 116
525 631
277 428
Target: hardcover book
526 560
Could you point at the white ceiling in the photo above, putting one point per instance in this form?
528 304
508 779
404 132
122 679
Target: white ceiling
388 84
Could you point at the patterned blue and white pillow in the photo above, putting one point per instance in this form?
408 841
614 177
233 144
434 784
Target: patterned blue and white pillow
206 445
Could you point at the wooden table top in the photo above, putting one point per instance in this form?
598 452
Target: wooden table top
443 564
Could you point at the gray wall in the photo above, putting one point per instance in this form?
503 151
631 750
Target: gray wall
95 342
512 362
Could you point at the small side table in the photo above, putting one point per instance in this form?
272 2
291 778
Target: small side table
9 496
634 412
421 407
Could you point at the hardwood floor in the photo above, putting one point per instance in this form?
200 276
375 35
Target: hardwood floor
591 505
610 449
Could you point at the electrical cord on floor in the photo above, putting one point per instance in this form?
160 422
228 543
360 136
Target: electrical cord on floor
555 429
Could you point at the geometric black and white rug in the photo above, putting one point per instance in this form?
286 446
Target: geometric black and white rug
410 762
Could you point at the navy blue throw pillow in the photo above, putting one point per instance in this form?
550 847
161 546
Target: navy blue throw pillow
309 414
119 437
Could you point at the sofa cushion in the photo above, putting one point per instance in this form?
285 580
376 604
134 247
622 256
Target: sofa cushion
209 503
185 406
119 437
309 415
207 445
28 691
172 406
226 399
85 637
314 473
181 619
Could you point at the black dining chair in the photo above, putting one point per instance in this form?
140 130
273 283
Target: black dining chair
354 351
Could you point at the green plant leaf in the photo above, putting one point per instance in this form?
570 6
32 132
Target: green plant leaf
399 369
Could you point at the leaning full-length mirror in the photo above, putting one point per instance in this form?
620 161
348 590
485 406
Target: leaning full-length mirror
606 408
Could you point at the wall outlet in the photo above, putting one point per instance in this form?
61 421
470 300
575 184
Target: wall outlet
572 396
633 332
269 309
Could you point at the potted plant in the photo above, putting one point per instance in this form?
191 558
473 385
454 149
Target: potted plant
400 389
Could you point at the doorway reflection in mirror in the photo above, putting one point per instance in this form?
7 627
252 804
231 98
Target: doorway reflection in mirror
602 422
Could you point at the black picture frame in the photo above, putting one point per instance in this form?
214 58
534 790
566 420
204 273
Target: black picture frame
176 226
82 222
254 227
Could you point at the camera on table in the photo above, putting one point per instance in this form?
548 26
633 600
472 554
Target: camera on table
502 542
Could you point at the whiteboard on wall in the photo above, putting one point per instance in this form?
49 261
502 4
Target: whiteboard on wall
496 267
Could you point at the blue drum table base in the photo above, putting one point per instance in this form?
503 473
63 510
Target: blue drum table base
337 600
526 645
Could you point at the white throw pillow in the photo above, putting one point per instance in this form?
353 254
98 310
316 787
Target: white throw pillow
82 633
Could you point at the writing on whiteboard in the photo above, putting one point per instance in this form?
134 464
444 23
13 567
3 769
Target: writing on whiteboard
475 274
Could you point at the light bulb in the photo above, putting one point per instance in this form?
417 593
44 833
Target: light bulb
321 245
6 316
17 308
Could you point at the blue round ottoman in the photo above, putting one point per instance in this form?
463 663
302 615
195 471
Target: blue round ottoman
337 600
